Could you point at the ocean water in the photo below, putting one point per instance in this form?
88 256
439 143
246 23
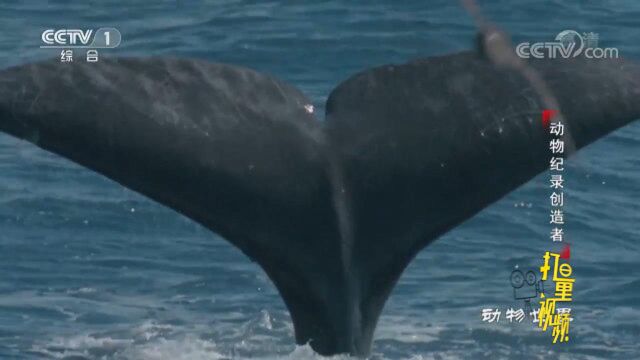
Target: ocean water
90 270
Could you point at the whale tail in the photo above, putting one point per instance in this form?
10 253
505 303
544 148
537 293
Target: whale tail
333 211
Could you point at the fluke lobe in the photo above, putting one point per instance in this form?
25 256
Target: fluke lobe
333 211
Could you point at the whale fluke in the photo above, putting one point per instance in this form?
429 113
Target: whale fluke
333 211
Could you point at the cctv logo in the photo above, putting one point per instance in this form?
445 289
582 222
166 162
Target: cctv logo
72 37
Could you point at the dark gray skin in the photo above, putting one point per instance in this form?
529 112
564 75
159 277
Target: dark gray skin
333 211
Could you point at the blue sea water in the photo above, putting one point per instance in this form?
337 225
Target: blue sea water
90 270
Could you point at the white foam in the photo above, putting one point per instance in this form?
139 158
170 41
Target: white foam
188 348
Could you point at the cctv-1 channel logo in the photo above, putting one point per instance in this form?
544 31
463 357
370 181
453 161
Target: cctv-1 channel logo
107 37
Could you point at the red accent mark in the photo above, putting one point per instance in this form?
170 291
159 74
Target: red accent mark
547 115
566 252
